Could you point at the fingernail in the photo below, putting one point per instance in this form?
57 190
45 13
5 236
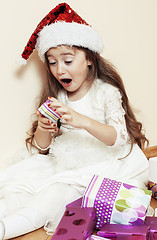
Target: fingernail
56 130
50 98
49 105
54 109
54 125
49 121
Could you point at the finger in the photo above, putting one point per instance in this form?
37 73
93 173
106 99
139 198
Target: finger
66 117
51 98
47 126
55 104
51 130
38 113
62 110
44 120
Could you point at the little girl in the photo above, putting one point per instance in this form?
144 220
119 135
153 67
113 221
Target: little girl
99 133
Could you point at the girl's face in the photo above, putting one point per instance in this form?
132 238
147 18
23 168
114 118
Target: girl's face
70 67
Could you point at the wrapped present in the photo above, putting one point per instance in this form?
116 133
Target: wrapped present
124 232
77 223
116 202
153 187
151 222
49 112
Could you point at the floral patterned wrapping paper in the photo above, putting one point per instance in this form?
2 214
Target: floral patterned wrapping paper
116 202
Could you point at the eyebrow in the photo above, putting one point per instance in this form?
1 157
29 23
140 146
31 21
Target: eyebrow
62 54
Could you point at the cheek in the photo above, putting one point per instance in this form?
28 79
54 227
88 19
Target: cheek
81 69
52 70
84 70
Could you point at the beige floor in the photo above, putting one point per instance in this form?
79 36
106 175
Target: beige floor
40 234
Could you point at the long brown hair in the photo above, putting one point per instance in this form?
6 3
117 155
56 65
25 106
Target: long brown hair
103 69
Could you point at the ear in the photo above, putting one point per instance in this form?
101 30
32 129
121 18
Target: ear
89 63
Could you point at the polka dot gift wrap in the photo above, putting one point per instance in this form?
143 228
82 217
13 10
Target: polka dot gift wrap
116 202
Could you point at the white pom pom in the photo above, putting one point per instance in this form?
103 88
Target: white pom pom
21 61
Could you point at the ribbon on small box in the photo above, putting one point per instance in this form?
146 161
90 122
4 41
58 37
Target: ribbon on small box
116 202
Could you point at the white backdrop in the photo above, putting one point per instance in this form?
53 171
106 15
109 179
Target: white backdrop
128 29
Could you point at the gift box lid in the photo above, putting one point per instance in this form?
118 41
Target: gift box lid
76 203
77 223
120 231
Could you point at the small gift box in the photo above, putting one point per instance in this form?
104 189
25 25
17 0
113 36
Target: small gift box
124 232
116 202
151 222
49 112
153 187
152 184
76 224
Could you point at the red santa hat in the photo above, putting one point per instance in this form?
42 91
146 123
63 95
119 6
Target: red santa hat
62 26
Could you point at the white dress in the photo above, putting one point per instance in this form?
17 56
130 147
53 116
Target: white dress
39 186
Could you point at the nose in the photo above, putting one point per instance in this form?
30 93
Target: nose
60 69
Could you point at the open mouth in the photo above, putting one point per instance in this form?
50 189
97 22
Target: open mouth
66 81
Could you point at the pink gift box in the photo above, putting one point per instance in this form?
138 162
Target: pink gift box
124 232
151 222
116 202
76 224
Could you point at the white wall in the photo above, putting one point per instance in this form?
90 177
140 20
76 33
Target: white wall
128 29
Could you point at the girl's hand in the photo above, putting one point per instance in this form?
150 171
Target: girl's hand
72 117
103 132
46 125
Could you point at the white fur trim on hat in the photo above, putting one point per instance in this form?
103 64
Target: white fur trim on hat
71 34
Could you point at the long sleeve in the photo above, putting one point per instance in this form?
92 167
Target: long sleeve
115 116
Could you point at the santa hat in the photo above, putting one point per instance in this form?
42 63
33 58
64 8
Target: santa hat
62 26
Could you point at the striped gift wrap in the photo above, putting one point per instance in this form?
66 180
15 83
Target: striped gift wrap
49 112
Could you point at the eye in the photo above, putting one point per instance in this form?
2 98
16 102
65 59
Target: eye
68 62
52 63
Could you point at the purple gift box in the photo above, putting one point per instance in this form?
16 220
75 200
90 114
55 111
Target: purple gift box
124 232
116 202
76 203
76 224
151 222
